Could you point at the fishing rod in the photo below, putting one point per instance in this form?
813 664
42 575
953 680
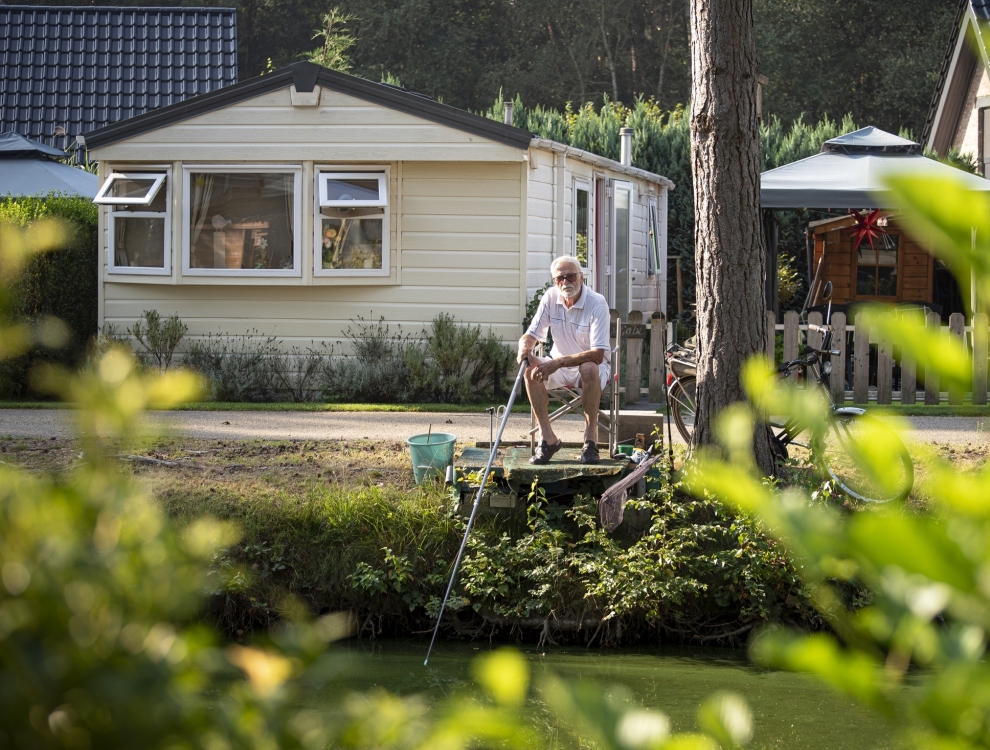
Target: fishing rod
477 502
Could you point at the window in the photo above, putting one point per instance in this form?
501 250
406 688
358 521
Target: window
876 268
352 224
241 222
654 263
582 224
139 224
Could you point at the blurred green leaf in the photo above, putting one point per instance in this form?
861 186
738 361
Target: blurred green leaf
912 544
850 671
504 674
606 717
727 718
954 219
933 349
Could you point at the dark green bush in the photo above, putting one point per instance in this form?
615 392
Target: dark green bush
61 283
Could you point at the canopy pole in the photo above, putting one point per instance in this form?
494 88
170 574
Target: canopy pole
770 238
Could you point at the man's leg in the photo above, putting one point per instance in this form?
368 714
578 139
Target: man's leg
591 399
540 401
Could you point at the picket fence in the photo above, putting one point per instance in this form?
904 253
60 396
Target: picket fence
874 370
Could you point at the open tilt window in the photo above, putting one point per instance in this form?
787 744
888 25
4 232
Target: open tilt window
352 224
138 228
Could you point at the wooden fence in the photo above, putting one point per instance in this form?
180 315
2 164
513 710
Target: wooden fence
873 370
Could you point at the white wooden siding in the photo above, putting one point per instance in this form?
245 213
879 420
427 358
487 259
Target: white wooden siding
341 128
540 220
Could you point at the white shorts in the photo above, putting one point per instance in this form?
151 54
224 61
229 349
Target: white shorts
571 376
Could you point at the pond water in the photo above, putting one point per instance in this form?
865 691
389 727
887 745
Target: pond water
790 711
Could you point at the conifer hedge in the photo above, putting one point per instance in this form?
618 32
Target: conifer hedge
61 283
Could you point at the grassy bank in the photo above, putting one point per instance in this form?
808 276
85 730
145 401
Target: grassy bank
341 525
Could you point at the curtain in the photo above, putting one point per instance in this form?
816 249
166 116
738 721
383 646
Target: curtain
202 191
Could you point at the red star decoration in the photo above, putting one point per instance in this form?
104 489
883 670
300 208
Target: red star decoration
866 228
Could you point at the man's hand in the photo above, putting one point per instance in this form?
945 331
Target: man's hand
526 344
543 371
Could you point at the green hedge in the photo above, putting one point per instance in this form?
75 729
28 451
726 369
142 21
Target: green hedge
62 283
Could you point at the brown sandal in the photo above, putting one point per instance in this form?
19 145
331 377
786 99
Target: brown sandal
589 454
545 452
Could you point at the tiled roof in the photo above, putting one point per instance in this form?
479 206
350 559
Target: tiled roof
81 68
982 9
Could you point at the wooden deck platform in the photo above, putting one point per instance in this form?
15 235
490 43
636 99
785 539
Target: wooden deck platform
514 475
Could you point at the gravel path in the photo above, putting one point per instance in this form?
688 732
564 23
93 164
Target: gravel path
469 428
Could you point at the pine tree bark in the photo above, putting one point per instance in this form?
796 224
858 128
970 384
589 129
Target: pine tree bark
729 252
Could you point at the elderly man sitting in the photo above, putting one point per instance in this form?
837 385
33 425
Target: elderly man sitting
578 319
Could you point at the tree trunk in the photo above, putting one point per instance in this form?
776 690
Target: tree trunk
725 163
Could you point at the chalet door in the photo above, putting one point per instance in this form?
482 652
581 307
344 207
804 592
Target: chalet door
602 270
621 215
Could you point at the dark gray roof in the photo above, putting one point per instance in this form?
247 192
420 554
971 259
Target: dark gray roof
305 76
13 145
855 175
870 140
982 10
80 68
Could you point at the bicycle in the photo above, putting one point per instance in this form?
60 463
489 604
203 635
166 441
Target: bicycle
837 452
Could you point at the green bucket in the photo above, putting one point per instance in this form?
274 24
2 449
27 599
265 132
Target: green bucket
431 453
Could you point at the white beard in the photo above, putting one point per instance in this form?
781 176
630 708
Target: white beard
570 292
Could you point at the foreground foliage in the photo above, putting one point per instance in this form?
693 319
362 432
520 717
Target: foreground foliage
928 623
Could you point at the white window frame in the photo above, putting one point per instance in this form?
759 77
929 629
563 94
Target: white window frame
585 185
104 199
382 200
384 180
163 173
295 169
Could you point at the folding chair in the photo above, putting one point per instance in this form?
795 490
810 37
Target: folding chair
569 399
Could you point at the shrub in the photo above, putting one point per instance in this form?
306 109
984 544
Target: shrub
296 375
236 368
456 363
159 336
376 373
61 283
253 368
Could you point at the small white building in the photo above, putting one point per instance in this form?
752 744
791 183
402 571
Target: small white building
295 202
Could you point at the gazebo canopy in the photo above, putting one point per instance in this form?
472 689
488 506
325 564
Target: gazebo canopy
26 169
850 171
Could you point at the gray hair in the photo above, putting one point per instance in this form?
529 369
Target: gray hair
565 259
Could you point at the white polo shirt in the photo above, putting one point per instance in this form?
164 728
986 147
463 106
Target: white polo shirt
576 329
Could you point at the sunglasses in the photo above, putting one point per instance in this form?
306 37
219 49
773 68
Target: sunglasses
568 277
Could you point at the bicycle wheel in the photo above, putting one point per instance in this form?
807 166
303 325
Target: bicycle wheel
682 406
842 455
